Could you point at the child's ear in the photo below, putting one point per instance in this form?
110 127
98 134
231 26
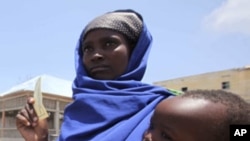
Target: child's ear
147 136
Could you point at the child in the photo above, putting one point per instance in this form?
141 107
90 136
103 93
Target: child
200 115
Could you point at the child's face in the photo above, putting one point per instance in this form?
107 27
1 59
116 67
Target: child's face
185 119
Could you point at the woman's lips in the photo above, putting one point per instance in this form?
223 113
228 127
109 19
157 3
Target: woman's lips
99 69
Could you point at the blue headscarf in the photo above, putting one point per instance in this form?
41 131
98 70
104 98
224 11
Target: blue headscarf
112 110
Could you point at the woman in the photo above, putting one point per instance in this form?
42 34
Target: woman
110 101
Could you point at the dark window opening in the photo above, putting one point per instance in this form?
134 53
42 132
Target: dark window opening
225 85
184 89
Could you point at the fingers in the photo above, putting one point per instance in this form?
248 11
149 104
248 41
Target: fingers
27 116
30 113
31 100
22 120
28 124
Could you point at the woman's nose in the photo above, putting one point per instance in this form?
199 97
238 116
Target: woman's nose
97 56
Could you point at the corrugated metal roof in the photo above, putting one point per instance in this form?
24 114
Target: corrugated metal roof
50 84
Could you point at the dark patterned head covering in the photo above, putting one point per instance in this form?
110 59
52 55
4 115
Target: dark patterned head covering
126 22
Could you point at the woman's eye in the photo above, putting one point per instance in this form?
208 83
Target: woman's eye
87 49
110 44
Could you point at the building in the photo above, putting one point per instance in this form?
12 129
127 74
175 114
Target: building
56 92
234 80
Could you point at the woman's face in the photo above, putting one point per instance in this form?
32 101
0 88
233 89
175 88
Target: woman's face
105 54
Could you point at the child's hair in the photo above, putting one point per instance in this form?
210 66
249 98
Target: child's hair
237 112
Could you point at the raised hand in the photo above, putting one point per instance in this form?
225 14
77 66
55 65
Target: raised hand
29 125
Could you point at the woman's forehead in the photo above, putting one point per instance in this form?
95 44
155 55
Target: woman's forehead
102 32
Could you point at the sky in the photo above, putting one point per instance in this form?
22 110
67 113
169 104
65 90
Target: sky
189 37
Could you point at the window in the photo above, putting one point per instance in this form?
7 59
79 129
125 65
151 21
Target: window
184 89
225 85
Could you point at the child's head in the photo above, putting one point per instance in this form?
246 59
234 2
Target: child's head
200 115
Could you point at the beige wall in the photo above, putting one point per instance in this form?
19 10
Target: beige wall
10 104
239 81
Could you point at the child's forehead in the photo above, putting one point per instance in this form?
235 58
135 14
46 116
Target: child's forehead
187 117
189 107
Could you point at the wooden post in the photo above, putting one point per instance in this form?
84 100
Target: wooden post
57 117
3 119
